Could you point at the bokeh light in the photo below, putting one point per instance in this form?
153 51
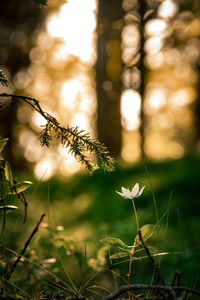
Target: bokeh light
130 109
62 75
78 41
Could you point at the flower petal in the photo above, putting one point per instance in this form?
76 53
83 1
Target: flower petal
126 192
140 192
123 195
135 190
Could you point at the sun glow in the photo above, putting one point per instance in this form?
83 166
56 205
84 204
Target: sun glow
156 27
167 9
75 24
65 52
69 164
155 100
69 92
80 120
130 108
43 170
63 75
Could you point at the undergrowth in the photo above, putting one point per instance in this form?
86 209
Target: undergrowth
50 262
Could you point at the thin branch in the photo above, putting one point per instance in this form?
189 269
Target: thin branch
169 289
123 289
186 289
177 277
13 267
151 259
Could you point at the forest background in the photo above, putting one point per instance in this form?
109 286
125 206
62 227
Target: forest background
128 73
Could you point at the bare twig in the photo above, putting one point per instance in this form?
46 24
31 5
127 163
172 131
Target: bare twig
177 276
130 287
169 289
186 289
160 277
13 267
183 295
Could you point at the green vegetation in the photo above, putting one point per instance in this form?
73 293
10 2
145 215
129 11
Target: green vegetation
66 254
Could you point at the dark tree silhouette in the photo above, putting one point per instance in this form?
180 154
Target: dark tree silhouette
18 20
142 68
137 14
108 74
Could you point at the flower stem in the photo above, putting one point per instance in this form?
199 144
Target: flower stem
133 250
135 211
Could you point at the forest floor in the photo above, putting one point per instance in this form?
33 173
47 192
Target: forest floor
84 209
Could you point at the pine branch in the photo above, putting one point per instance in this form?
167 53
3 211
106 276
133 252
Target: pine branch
80 144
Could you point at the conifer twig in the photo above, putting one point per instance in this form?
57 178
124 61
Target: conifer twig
79 142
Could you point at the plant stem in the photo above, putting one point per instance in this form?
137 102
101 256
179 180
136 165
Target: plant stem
133 250
129 270
135 211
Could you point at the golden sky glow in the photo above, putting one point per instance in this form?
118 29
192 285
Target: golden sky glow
74 24
167 9
130 108
73 31
64 56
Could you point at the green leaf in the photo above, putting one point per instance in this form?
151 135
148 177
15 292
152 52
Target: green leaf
8 173
146 232
21 187
114 242
119 255
8 208
3 143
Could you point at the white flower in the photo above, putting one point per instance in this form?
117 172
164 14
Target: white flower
134 193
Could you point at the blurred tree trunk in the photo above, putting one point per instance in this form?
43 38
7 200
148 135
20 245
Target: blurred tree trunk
196 147
18 20
108 74
197 115
142 68
137 14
